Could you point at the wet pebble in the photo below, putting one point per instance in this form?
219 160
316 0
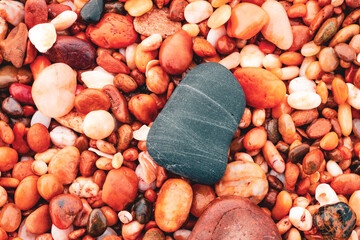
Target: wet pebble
97 223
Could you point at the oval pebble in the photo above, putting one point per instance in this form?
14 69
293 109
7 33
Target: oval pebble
98 124
62 137
198 11
64 20
38 117
97 79
220 16
43 36
304 100
214 35
138 7
251 56
301 84
354 96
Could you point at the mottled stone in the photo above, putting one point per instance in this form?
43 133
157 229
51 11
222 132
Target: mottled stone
335 221
143 210
97 223
192 134
91 11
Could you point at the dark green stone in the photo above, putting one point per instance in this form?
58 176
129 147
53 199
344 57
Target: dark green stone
97 223
192 134
335 221
92 10
142 209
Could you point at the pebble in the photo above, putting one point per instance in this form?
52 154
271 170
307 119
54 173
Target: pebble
10 217
231 61
301 84
278 29
262 88
43 36
215 34
97 79
342 221
39 221
64 20
98 124
152 42
26 194
156 21
23 233
61 234
271 61
143 210
49 186
36 12
118 196
325 195
91 100
137 8
8 158
328 59
354 203
38 138
245 179
8 75
97 223
251 56
197 11
54 90
300 218
12 11
354 96
246 20
12 107
173 204
345 52
304 100
38 117
73 120
108 232
64 164
102 35
229 217
165 134
62 137
346 183
92 10
63 210
177 8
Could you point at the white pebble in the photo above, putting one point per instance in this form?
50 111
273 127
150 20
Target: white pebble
62 137
231 61
304 100
125 216
142 133
84 187
300 84
64 20
130 56
98 124
117 160
354 96
42 36
61 234
300 218
12 11
214 35
97 79
251 56
198 11
271 61
325 195
290 72
38 117
333 168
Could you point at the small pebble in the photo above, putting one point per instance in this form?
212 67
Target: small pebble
304 100
62 137
43 36
64 20
98 124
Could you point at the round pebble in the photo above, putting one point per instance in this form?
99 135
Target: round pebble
198 11
304 100
43 36
98 124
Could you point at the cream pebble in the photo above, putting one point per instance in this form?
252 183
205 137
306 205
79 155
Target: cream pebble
43 36
251 56
328 59
12 11
300 84
271 61
125 216
354 96
137 8
117 160
130 56
219 17
192 29
324 194
97 79
62 137
152 42
198 11
98 124
287 73
304 100
214 35
231 61
39 168
84 187
64 20
310 49
333 168
300 218
142 133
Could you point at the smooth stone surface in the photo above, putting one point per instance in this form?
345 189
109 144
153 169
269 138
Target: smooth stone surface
233 217
97 223
192 134
91 11
335 221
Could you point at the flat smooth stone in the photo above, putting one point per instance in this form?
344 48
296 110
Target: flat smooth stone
92 10
234 218
192 134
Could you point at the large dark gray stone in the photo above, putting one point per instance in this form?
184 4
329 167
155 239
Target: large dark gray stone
192 134
92 10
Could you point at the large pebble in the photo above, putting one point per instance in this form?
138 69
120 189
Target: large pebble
304 100
156 21
97 223
335 221
233 217
63 210
198 11
49 186
10 217
14 46
212 111
8 158
64 165
39 221
300 84
92 10
12 11
246 20
98 124
26 194
261 87
73 51
251 56
116 195
54 90
245 179
278 29
346 184
113 31
42 36
173 204
354 96
176 53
